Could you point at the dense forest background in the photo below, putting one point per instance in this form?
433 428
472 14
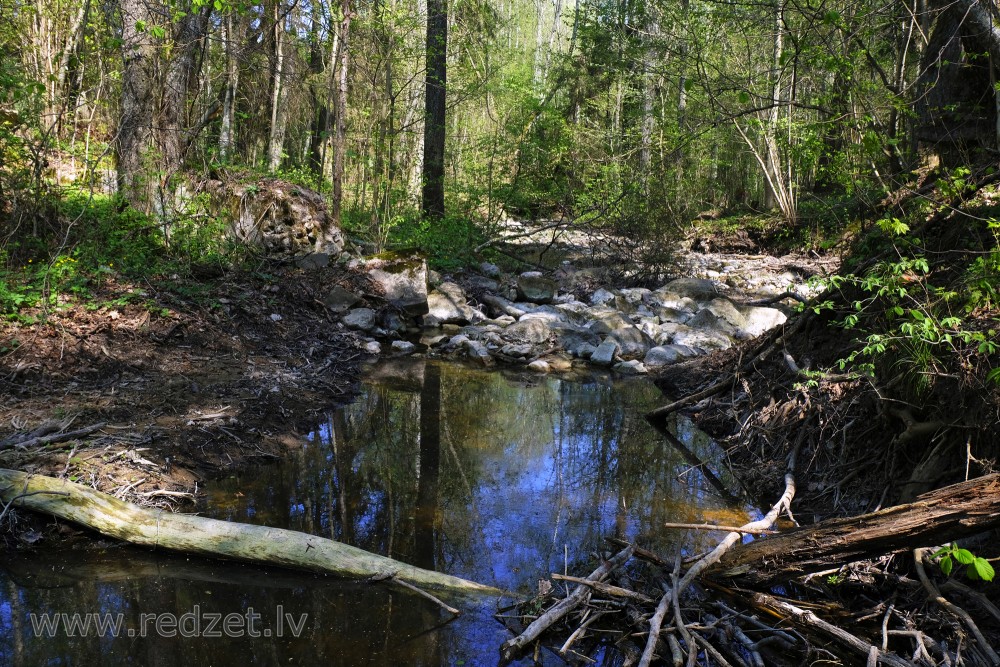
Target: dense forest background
628 113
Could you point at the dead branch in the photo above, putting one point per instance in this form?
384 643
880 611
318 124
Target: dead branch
513 647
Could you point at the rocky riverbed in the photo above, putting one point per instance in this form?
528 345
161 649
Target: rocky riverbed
567 319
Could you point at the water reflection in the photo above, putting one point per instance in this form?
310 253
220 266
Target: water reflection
499 478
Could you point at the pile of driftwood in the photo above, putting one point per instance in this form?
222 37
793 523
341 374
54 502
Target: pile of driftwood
724 607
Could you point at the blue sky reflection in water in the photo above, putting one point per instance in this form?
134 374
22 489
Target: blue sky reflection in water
497 477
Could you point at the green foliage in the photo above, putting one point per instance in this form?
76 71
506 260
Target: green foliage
448 243
977 568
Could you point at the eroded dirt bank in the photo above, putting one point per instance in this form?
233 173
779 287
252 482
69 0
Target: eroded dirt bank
186 380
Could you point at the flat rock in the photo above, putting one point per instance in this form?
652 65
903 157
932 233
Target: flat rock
512 350
339 299
534 331
362 319
604 355
633 367
447 304
663 355
403 281
632 342
539 366
402 347
699 289
534 287
760 319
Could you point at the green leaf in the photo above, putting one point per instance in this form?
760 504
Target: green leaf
946 565
983 569
744 97
964 556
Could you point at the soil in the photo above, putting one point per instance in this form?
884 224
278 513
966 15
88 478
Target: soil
188 379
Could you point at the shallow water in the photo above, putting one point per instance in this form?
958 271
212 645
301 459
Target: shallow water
497 477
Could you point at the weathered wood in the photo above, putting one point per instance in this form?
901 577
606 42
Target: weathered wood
947 514
514 647
210 537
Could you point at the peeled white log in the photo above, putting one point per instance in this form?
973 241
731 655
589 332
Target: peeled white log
210 537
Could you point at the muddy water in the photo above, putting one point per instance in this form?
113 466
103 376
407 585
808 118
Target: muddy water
500 478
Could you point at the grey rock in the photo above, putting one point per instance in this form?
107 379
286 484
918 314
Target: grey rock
433 341
604 355
539 366
606 320
703 340
403 280
373 347
339 299
760 319
660 356
490 270
673 315
601 297
433 278
480 284
312 260
633 367
402 346
632 343
636 295
478 352
362 319
458 340
532 286
698 289
447 304
727 310
584 350
501 306
512 350
533 331
392 322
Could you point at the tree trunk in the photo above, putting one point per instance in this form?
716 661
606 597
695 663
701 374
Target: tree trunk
279 93
434 116
135 127
210 537
340 111
320 113
227 131
174 126
956 511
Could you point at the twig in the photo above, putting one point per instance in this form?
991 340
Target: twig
803 617
607 589
513 647
419 591
58 437
724 529
654 628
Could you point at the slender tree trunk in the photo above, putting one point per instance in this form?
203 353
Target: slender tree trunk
173 124
279 93
340 111
434 116
136 122
227 131
772 161
320 115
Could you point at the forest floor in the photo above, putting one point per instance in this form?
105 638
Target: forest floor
184 379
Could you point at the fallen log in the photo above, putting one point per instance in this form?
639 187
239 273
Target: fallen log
947 514
210 537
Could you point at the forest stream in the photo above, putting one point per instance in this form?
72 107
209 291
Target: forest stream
501 477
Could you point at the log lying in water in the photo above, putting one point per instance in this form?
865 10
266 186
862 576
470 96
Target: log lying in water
947 514
211 537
